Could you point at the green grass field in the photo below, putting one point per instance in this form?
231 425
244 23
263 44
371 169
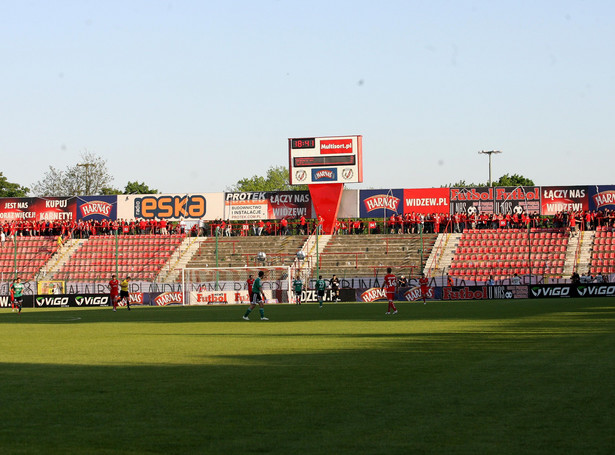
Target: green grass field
498 377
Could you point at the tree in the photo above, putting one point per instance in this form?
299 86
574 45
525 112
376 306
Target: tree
513 180
138 188
8 189
87 177
276 180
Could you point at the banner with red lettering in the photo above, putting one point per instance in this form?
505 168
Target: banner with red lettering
268 205
522 199
427 200
557 199
471 200
495 200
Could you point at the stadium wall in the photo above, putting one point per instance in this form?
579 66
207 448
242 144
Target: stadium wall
368 203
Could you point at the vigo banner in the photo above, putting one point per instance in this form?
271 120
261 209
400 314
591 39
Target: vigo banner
558 291
267 205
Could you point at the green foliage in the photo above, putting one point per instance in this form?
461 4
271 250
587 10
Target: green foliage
276 180
138 188
513 180
8 189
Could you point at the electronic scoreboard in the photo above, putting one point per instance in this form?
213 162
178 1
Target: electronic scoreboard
336 159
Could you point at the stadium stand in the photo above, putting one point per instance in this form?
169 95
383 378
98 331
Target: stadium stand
369 255
27 254
242 251
603 252
503 253
140 256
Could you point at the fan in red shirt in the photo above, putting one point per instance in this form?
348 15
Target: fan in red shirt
390 285
424 283
114 291
250 282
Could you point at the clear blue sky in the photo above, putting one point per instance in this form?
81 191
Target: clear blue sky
191 96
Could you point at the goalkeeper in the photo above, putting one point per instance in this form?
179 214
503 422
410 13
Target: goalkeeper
257 297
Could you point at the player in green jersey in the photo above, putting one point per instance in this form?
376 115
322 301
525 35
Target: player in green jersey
298 289
17 292
257 298
321 286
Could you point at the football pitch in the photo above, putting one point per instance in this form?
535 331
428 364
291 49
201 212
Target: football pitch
472 377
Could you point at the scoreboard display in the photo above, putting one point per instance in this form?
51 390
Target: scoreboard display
336 159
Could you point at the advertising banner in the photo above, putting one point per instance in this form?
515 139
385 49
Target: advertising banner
472 200
225 297
558 291
5 301
380 203
426 200
97 208
557 199
37 209
522 199
166 298
495 200
267 205
481 292
601 197
171 207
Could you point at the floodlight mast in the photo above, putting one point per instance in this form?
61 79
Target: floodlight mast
489 152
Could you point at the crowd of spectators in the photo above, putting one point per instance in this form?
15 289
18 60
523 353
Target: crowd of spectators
84 229
409 223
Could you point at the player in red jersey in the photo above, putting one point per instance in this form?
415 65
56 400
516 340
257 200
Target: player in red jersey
114 291
390 285
424 283
250 282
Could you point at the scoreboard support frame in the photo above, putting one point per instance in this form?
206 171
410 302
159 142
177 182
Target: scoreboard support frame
325 164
